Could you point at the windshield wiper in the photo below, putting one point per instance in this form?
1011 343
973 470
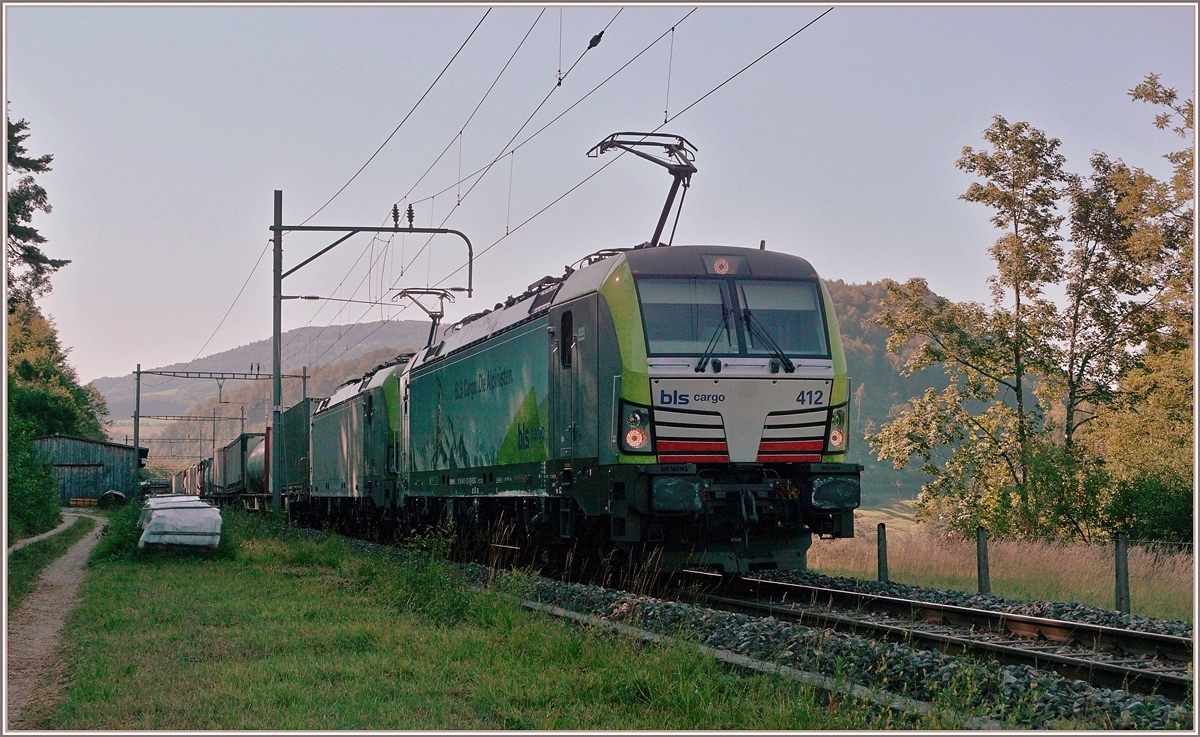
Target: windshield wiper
712 342
756 328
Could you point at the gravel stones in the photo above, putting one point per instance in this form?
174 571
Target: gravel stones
1031 697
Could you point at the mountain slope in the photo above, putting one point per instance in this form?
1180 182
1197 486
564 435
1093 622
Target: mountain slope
308 346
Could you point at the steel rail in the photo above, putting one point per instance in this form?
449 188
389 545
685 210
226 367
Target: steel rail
1083 634
979 641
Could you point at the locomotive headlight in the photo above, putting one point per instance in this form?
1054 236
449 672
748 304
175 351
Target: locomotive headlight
837 431
637 438
635 435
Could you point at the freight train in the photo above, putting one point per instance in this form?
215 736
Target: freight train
681 404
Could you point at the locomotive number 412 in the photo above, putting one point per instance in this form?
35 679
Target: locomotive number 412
810 396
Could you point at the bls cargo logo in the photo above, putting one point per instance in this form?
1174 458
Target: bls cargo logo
527 435
679 398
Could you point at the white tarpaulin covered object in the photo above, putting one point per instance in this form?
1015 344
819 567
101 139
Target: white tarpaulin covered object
180 520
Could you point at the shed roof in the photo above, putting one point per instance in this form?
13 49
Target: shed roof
85 440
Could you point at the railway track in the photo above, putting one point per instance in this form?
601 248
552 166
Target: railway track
1108 657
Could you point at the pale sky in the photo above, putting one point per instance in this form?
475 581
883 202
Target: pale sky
171 127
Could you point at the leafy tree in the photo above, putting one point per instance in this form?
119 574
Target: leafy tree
43 389
1146 439
1014 465
29 268
1023 181
1146 434
44 393
986 416
33 501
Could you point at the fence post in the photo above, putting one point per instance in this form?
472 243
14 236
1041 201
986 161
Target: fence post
1122 556
882 553
981 555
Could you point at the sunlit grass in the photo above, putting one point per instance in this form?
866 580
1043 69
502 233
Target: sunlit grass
1161 584
282 632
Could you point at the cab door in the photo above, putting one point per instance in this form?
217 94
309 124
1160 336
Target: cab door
564 372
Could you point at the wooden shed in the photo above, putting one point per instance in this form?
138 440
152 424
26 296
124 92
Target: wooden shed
85 469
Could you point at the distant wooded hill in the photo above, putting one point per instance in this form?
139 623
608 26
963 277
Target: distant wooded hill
877 386
308 346
355 349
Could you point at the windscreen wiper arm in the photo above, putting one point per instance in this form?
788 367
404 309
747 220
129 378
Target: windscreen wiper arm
756 328
712 342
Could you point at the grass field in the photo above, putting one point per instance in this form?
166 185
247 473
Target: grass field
1161 585
273 631
26 564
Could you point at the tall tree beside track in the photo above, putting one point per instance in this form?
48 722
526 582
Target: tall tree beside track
44 393
1028 373
29 268
1146 436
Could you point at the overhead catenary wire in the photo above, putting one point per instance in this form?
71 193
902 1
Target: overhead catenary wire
670 62
767 53
614 159
326 302
226 315
458 137
470 117
681 112
483 169
505 150
402 122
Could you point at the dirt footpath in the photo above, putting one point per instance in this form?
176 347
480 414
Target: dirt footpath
68 520
35 673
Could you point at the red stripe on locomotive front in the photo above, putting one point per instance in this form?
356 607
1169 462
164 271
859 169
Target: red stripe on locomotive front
692 446
791 445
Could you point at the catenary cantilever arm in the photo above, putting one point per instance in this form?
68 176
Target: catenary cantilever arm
350 230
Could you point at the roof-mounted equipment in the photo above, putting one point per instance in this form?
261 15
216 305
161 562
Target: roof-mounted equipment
679 164
434 315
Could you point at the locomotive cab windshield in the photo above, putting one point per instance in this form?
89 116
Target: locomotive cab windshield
726 317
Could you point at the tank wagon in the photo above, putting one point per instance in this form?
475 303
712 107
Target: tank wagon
685 402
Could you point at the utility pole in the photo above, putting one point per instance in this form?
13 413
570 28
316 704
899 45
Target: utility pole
137 450
272 449
214 434
276 342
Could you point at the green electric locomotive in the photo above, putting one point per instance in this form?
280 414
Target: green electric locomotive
685 404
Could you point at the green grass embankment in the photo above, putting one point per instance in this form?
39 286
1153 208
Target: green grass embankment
275 631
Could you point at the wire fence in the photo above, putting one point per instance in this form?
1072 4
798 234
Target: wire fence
1160 574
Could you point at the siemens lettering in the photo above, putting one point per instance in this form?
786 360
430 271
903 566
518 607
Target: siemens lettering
681 398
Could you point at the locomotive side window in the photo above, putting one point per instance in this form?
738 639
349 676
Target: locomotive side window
684 315
566 339
788 311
